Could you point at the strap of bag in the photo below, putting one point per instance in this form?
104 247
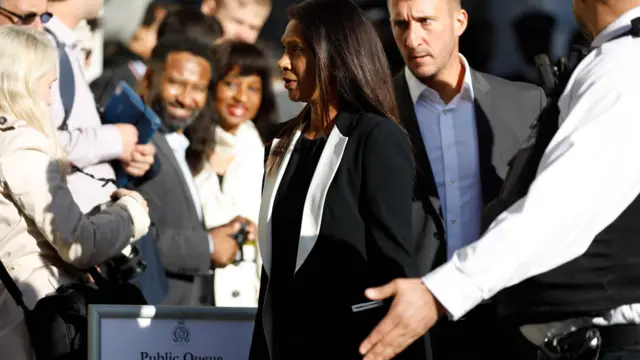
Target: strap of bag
66 81
550 128
16 294
12 287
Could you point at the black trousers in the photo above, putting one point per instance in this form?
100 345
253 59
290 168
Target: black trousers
479 335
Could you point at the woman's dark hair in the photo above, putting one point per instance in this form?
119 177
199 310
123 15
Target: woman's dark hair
249 59
201 134
351 66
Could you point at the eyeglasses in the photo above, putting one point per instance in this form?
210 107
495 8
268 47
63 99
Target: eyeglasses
30 17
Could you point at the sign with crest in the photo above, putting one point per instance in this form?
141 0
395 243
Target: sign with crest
125 332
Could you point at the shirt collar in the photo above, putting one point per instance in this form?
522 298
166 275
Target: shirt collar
62 32
416 87
177 142
617 27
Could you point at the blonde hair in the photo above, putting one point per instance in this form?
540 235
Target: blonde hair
28 55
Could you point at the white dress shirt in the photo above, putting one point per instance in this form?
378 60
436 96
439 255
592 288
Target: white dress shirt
449 135
588 176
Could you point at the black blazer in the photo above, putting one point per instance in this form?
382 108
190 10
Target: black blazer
504 112
181 239
356 233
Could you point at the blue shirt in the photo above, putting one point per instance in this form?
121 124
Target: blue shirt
450 138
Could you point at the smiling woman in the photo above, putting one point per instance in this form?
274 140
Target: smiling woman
229 178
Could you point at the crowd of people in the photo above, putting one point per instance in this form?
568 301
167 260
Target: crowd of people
359 227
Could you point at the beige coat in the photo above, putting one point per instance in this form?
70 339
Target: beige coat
44 237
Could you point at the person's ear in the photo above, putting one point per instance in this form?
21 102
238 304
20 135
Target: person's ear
461 21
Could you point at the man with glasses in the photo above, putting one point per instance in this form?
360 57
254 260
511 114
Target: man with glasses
89 144
31 13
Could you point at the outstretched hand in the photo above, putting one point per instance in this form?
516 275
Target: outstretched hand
413 312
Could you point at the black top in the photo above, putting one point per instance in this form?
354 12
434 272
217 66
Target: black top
287 221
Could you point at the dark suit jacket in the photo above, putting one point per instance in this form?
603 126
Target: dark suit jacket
504 112
181 239
356 233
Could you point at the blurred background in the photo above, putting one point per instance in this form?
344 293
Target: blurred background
501 35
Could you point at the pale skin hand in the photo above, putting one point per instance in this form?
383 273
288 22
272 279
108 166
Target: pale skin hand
124 192
413 312
142 158
129 136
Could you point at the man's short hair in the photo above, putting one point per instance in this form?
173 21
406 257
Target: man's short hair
174 44
190 22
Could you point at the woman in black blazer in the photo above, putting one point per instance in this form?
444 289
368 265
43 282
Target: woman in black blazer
335 217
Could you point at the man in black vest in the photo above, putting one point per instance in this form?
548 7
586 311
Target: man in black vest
565 257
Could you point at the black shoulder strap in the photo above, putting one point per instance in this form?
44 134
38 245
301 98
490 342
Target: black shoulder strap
66 81
12 287
634 31
16 294
524 166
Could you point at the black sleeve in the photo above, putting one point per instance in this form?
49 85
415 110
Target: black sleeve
388 173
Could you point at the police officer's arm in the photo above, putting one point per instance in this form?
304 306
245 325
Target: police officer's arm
588 176
85 146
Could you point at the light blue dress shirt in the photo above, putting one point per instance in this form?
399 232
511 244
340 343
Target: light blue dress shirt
449 135
179 144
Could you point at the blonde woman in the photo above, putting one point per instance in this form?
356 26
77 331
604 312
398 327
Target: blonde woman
44 237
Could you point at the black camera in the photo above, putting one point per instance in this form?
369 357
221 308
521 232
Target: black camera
241 238
124 267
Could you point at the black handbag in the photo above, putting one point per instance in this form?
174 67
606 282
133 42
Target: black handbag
58 324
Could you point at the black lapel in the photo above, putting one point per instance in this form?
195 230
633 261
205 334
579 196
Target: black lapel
163 147
424 174
486 114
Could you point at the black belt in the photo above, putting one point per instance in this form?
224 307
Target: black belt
587 342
